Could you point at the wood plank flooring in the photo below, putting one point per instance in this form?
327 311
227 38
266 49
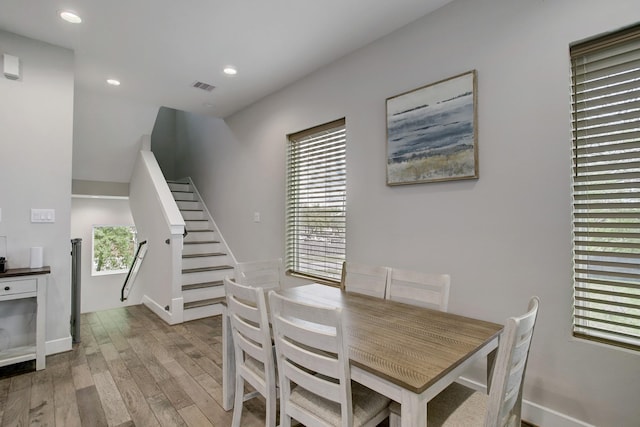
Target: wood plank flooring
130 369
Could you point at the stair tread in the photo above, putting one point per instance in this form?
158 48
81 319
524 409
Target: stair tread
204 255
192 210
184 200
203 285
182 191
199 230
204 302
201 243
173 181
188 220
203 269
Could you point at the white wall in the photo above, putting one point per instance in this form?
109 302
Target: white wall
502 238
100 292
36 125
106 135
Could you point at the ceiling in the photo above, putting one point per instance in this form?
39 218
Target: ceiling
159 48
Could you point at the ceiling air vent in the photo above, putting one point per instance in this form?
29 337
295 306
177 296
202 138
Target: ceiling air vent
203 86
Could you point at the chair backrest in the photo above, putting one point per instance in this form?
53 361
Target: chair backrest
247 311
505 396
418 288
267 274
312 353
364 279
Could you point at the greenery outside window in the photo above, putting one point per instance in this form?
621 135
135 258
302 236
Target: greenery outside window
113 249
606 188
316 202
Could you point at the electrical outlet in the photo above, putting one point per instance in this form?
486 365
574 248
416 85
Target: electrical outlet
256 217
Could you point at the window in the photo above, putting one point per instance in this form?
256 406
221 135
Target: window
113 248
606 188
316 202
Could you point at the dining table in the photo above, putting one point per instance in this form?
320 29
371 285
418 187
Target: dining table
405 352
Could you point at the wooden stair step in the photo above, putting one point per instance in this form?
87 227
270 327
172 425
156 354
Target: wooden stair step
213 284
191 210
203 269
199 230
204 302
170 181
204 255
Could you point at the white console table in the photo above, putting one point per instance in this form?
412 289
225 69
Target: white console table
19 283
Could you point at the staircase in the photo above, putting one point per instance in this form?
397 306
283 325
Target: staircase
205 257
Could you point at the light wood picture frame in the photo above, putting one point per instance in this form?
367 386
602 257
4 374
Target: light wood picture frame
432 132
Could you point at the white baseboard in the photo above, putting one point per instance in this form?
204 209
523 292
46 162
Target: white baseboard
158 309
534 413
58 346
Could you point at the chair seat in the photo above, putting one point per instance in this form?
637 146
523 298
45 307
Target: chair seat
367 404
255 366
455 406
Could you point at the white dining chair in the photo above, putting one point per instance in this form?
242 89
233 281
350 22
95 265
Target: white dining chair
418 288
458 405
364 279
314 373
268 274
255 363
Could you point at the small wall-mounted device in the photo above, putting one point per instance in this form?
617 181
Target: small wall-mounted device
11 66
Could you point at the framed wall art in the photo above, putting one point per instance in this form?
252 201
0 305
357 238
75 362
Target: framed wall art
432 132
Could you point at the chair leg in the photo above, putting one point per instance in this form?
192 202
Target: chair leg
394 420
285 420
238 401
270 420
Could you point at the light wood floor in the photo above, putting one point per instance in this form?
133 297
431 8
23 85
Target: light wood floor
130 369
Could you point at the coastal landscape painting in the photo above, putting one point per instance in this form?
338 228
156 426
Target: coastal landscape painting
431 132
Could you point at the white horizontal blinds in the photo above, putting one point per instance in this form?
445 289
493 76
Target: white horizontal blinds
606 188
316 201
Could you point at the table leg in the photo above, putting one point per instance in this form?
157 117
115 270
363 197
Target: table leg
491 363
228 365
413 410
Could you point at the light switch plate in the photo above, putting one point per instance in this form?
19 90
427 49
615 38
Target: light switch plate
43 215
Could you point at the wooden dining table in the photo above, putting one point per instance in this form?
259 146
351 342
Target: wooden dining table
405 352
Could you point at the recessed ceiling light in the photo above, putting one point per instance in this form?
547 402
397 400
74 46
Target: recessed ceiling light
230 70
70 17
113 82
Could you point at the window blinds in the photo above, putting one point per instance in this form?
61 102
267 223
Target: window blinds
316 202
606 188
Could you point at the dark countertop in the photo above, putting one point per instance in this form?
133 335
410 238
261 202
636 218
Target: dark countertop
16 272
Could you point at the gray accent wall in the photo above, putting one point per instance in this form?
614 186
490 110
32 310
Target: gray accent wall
163 142
503 237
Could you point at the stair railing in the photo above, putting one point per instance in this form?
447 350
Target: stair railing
133 271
